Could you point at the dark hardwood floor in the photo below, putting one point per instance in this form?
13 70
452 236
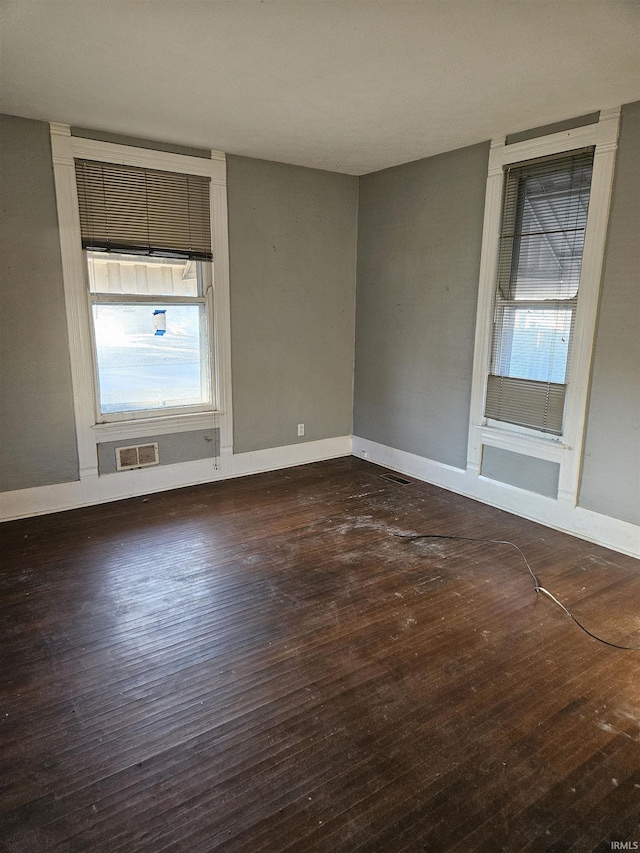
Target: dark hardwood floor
261 665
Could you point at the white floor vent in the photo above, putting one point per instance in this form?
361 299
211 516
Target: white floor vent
136 456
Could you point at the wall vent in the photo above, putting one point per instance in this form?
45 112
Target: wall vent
136 456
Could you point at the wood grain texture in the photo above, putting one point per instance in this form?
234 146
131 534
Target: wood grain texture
262 665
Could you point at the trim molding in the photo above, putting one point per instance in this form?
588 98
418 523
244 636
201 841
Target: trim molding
577 521
65 148
147 158
75 297
155 426
541 448
567 451
92 490
601 529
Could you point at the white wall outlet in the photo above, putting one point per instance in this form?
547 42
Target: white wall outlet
300 429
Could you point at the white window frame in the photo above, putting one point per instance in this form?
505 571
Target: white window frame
567 448
65 149
206 300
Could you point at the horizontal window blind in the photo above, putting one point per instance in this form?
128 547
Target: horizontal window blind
143 211
539 405
544 218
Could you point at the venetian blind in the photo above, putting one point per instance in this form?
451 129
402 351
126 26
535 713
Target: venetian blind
544 218
143 211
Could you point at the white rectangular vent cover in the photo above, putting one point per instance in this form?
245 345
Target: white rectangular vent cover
136 456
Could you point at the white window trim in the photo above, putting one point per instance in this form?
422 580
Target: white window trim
65 148
567 449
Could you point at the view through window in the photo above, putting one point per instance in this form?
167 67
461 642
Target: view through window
151 332
544 219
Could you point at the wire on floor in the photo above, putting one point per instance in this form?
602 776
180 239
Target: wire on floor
538 586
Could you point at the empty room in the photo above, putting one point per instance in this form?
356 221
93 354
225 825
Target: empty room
319 426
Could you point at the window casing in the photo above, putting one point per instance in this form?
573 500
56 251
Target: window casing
147 240
67 150
544 217
564 445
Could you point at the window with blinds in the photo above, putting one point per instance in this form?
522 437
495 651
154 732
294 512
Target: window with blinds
143 211
147 237
544 217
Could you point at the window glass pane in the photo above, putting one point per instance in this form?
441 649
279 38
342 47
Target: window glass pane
136 275
549 266
534 343
551 234
141 366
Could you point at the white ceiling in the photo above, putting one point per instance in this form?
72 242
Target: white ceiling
347 85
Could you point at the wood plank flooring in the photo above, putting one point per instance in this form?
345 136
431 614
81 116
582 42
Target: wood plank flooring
262 665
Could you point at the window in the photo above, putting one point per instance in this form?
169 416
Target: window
544 217
147 241
150 324
545 222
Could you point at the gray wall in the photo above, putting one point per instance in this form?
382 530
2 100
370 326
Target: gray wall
419 239
556 127
292 243
292 250
516 469
172 448
611 465
37 431
136 142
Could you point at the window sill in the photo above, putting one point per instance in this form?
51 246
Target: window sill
542 447
160 425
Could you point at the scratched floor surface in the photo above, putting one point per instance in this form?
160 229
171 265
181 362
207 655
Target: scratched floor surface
265 665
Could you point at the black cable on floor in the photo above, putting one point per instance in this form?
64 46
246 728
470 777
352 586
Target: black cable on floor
538 586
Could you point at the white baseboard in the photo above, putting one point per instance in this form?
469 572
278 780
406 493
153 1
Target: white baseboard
143 481
592 526
601 529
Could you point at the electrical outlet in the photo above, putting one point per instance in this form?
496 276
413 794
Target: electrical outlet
300 429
